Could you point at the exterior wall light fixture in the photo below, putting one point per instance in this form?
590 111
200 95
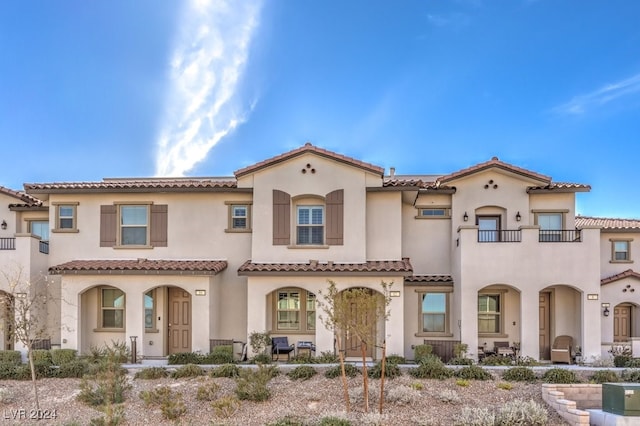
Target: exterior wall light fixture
606 309
465 217
4 225
518 217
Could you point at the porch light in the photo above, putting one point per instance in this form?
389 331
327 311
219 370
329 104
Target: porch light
465 217
518 217
606 312
4 225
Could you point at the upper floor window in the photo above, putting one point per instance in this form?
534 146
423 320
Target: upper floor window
310 226
40 228
433 212
134 225
488 228
66 217
239 217
489 314
621 250
550 226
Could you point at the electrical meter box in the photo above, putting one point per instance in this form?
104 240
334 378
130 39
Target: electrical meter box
621 398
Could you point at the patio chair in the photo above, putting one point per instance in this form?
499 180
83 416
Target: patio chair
561 349
503 349
280 345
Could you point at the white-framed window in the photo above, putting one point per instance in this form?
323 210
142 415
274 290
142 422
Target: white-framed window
621 250
150 310
489 313
550 226
310 225
112 305
134 225
433 312
239 216
295 310
433 212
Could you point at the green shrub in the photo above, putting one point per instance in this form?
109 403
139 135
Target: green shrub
403 395
302 372
262 359
104 366
431 368
495 360
117 352
559 375
475 416
252 384
171 403
107 387
391 371
152 373
421 351
460 350
633 363
460 361
41 356
220 355
396 359
207 392
183 358
42 369
288 420
463 382
189 370
526 361
63 356
473 372
350 370
631 376
334 421
327 357
505 386
519 374
225 407
73 369
225 370
113 416
8 370
604 376
10 357
621 361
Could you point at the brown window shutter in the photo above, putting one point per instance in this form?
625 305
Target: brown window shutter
108 228
281 218
335 217
158 232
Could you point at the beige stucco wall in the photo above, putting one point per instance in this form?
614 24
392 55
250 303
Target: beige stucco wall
384 226
610 267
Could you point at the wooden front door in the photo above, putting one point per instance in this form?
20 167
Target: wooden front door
544 319
622 323
179 320
353 346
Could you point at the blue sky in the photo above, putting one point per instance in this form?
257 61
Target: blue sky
125 88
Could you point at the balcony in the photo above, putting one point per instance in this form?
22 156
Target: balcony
544 236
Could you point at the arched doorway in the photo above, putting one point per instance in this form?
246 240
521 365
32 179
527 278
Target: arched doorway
622 322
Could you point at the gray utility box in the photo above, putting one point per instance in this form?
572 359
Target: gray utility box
621 398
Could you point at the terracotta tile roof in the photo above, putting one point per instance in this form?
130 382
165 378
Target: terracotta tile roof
308 147
561 186
140 266
27 199
371 267
134 185
429 279
608 223
415 183
621 275
495 162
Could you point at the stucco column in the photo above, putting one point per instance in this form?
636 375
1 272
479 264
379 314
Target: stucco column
70 308
530 323
468 322
394 326
324 336
591 328
256 310
134 322
200 312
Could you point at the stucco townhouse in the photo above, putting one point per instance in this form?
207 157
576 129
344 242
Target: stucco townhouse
490 253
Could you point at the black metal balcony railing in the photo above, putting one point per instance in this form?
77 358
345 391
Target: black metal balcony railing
560 236
44 247
7 243
502 236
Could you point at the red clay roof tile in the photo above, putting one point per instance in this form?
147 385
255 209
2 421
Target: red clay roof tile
371 267
608 223
137 266
123 185
308 147
495 162
23 196
621 275
429 279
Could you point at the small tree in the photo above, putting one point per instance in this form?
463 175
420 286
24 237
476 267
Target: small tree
370 308
26 315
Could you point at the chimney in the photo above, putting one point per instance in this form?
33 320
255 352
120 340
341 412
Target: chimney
392 172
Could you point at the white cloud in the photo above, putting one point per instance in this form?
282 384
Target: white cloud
610 92
203 104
